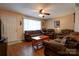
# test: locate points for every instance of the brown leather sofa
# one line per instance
(68, 46)
(63, 33)
(48, 32)
(29, 34)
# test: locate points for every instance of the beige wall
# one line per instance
(50, 24)
(66, 22)
(11, 25)
(43, 23)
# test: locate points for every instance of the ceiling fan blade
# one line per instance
(47, 13)
(41, 11)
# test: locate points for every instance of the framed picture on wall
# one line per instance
(56, 23)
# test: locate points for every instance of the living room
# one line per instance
(29, 29)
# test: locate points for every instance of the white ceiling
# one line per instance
(32, 9)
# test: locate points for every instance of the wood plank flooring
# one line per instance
(24, 49)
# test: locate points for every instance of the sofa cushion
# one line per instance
(70, 42)
(54, 45)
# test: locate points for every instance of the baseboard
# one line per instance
(14, 42)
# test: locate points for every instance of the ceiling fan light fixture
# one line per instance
(41, 15)
(43, 11)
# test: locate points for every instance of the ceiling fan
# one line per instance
(42, 13)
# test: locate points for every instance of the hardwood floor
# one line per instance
(24, 49)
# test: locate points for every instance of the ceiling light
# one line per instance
(43, 11)
(41, 15)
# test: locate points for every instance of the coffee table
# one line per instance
(37, 41)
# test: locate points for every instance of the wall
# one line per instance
(11, 27)
(50, 24)
(43, 24)
(66, 22)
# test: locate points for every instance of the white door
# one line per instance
(77, 22)
(10, 27)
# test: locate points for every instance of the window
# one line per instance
(32, 25)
